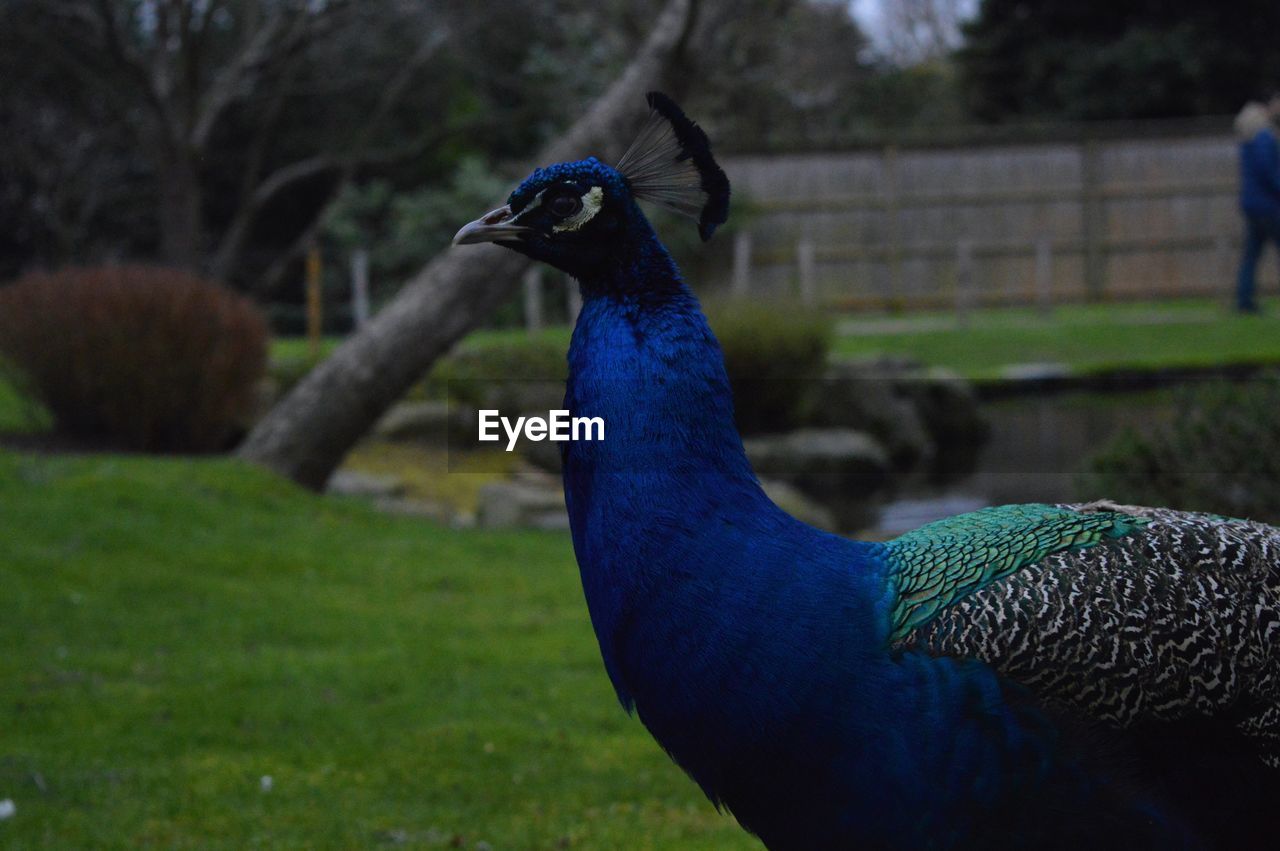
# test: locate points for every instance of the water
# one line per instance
(1038, 449)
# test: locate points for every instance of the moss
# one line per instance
(434, 474)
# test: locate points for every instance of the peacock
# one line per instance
(1058, 676)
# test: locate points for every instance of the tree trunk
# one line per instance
(307, 434)
(181, 221)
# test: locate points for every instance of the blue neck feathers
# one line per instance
(644, 359)
(664, 501)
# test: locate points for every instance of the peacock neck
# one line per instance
(644, 359)
(671, 466)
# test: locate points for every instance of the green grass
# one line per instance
(298, 348)
(174, 630)
(18, 415)
(1085, 338)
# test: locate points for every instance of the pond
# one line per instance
(1038, 450)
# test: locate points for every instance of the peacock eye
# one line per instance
(563, 206)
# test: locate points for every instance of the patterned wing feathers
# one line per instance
(940, 563)
(1181, 620)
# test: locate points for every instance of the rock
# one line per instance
(950, 411)
(512, 397)
(825, 463)
(522, 504)
(408, 420)
(799, 506)
(425, 509)
(432, 421)
(1036, 371)
(543, 454)
(883, 365)
(921, 416)
(872, 396)
(352, 483)
(388, 494)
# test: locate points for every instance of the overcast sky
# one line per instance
(870, 17)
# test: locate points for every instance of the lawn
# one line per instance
(176, 630)
(299, 348)
(1084, 338)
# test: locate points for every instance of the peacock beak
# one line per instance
(494, 226)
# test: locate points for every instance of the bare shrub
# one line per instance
(139, 357)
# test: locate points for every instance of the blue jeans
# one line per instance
(1259, 230)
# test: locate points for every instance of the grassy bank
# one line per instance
(1156, 333)
(1084, 338)
(177, 630)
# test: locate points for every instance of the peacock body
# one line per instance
(1022, 676)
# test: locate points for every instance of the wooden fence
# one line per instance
(1040, 223)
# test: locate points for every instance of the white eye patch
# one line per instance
(592, 201)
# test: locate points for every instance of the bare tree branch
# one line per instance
(234, 78)
(395, 89)
(284, 32)
(135, 66)
(279, 267)
(238, 230)
(355, 155)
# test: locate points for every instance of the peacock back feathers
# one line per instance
(1180, 620)
(940, 563)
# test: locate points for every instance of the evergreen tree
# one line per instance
(1089, 59)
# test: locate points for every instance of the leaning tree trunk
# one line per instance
(307, 434)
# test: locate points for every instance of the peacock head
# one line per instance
(581, 216)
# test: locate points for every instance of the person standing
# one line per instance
(1259, 191)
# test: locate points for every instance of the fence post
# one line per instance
(360, 286)
(533, 300)
(1044, 275)
(574, 300)
(1092, 226)
(741, 264)
(1225, 260)
(805, 261)
(964, 282)
(893, 240)
(315, 304)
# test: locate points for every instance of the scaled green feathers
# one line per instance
(939, 563)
